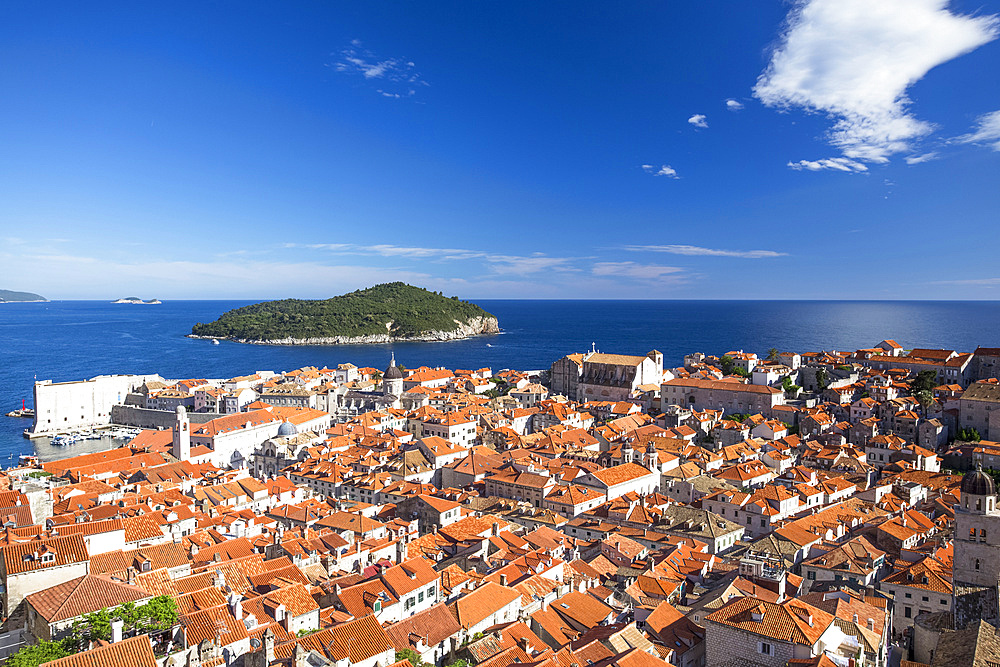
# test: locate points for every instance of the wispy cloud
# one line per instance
(513, 264)
(693, 250)
(975, 282)
(498, 264)
(917, 159)
(733, 105)
(699, 120)
(987, 131)
(397, 77)
(663, 170)
(832, 163)
(854, 61)
(636, 271)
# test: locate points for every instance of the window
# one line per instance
(811, 575)
(420, 596)
(908, 595)
(765, 648)
(410, 602)
(907, 612)
(924, 598)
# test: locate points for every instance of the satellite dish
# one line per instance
(254, 643)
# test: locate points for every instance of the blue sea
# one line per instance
(74, 340)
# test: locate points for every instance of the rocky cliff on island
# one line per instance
(379, 314)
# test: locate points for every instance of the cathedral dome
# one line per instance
(393, 372)
(978, 483)
(287, 429)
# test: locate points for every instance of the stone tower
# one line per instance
(976, 570)
(181, 448)
(392, 379)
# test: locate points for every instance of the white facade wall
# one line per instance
(65, 406)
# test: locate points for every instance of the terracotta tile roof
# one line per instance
(34, 555)
(432, 626)
(580, 608)
(134, 652)
(620, 474)
(474, 607)
(792, 621)
(83, 595)
(212, 623)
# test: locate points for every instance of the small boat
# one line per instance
(24, 412)
(215, 341)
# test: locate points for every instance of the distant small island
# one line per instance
(135, 299)
(9, 296)
(379, 314)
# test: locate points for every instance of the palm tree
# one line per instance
(772, 354)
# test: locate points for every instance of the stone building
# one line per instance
(979, 408)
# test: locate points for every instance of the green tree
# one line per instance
(925, 381)
(925, 397)
(726, 364)
(37, 654)
(460, 663)
(160, 613)
(772, 354)
(95, 626)
(822, 378)
(789, 387)
(968, 435)
(411, 655)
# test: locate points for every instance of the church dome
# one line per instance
(393, 372)
(978, 483)
(287, 428)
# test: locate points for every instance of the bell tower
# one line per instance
(181, 448)
(976, 569)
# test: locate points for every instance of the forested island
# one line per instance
(379, 314)
(10, 296)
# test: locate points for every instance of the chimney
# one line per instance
(236, 606)
(117, 626)
(871, 624)
(503, 579)
(268, 646)
(524, 644)
(495, 529)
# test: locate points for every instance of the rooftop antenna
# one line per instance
(593, 348)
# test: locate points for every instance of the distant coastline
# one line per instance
(138, 301)
(10, 296)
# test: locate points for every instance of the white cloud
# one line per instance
(833, 163)
(855, 59)
(633, 270)
(976, 282)
(497, 264)
(693, 250)
(733, 105)
(513, 264)
(664, 170)
(698, 120)
(917, 159)
(398, 76)
(987, 131)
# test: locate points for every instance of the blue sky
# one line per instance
(828, 149)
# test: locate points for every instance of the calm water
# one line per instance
(73, 340)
